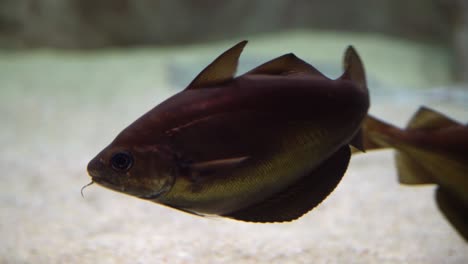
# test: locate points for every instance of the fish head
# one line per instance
(145, 172)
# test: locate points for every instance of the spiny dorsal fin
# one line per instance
(285, 65)
(426, 118)
(353, 68)
(220, 70)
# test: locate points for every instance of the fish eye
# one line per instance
(121, 161)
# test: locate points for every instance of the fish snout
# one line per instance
(94, 167)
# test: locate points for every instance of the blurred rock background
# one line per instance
(88, 24)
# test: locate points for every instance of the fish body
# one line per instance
(432, 149)
(266, 146)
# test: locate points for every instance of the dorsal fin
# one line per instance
(285, 65)
(353, 68)
(426, 118)
(220, 70)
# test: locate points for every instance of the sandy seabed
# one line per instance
(59, 110)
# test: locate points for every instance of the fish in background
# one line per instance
(432, 149)
(266, 146)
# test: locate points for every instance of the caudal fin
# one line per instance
(378, 134)
(426, 118)
(409, 170)
(418, 165)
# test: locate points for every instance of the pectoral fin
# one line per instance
(217, 164)
(301, 197)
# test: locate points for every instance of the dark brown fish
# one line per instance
(266, 146)
(433, 149)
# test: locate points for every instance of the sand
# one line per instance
(58, 109)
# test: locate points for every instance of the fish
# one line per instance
(265, 146)
(432, 149)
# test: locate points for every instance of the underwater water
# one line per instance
(59, 108)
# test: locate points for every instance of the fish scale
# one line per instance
(244, 186)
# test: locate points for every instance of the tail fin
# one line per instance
(409, 170)
(416, 165)
(428, 119)
(378, 134)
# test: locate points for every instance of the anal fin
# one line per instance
(302, 196)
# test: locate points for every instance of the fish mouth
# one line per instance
(94, 166)
(122, 189)
(103, 182)
(93, 174)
